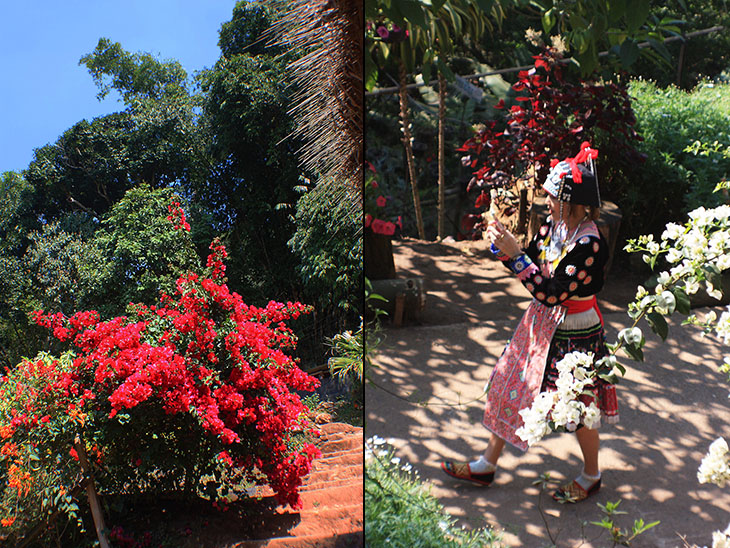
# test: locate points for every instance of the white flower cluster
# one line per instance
(715, 467)
(722, 327)
(561, 408)
(721, 539)
(705, 240)
(374, 447)
(377, 447)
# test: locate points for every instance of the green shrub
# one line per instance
(674, 180)
(400, 511)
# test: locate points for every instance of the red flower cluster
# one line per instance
(204, 354)
(215, 259)
(374, 207)
(177, 216)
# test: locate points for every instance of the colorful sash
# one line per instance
(518, 374)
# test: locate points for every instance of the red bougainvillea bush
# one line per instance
(199, 385)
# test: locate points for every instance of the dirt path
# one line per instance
(672, 407)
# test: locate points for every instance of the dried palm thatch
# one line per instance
(328, 103)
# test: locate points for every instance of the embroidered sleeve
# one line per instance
(580, 273)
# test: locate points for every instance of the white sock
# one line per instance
(586, 481)
(481, 466)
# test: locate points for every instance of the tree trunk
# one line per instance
(96, 512)
(442, 190)
(405, 126)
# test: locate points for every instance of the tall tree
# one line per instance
(254, 166)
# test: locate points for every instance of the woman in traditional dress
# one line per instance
(563, 269)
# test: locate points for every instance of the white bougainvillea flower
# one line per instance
(721, 539)
(562, 408)
(715, 466)
(722, 327)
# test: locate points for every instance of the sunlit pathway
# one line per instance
(672, 407)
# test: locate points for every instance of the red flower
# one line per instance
(482, 200)
(381, 201)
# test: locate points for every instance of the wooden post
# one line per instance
(96, 511)
(400, 304)
(522, 218)
(680, 63)
(406, 128)
(441, 157)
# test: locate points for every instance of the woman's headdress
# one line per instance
(575, 180)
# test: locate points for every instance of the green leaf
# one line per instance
(629, 53)
(599, 24)
(485, 5)
(577, 21)
(606, 523)
(426, 73)
(636, 15)
(413, 12)
(634, 352)
(548, 21)
(616, 9)
(658, 324)
(612, 378)
(384, 49)
(639, 526)
(683, 301)
(660, 48)
(588, 60)
(371, 73)
(444, 69)
(436, 5)
(455, 23)
(616, 37)
(445, 43)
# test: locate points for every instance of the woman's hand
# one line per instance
(503, 239)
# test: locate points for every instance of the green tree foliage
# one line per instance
(16, 223)
(246, 111)
(142, 256)
(61, 268)
(244, 33)
(703, 56)
(81, 226)
(329, 247)
(133, 73)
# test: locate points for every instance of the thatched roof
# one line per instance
(328, 104)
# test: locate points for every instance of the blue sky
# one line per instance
(44, 90)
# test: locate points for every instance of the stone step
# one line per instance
(347, 540)
(341, 457)
(346, 493)
(341, 444)
(339, 427)
(332, 513)
(331, 473)
(329, 521)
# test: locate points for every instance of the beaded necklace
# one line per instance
(558, 242)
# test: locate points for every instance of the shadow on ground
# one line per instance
(672, 407)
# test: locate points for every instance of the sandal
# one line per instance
(461, 470)
(573, 492)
